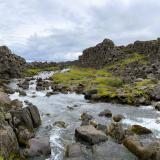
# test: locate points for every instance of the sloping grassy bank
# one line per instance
(108, 87)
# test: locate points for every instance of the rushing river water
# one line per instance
(54, 108)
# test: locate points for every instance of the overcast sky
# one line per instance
(60, 30)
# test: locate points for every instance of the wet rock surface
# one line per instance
(90, 134)
(38, 147)
(16, 125)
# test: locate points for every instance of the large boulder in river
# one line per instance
(35, 116)
(90, 134)
(141, 150)
(38, 147)
(11, 65)
(8, 142)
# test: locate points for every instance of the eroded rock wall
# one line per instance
(11, 65)
(106, 54)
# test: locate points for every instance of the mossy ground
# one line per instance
(29, 72)
(90, 78)
(135, 57)
(106, 84)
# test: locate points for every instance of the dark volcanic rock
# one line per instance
(11, 65)
(140, 130)
(107, 54)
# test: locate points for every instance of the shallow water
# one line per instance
(54, 108)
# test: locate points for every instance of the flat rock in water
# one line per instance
(90, 134)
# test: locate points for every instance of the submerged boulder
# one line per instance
(90, 134)
(60, 124)
(118, 117)
(106, 113)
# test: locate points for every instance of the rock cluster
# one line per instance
(11, 65)
(17, 125)
(91, 136)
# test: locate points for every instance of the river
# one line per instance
(54, 108)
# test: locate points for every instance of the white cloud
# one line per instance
(61, 29)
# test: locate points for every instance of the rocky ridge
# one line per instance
(11, 65)
(138, 60)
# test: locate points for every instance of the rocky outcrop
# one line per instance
(9, 144)
(108, 55)
(17, 125)
(11, 65)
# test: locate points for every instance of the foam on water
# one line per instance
(145, 122)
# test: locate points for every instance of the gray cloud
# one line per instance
(60, 30)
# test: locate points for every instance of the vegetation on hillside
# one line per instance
(135, 57)
(105, 83)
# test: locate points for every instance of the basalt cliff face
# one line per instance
(11, 65)
(138, 60)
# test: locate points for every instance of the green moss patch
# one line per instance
(135, 57)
